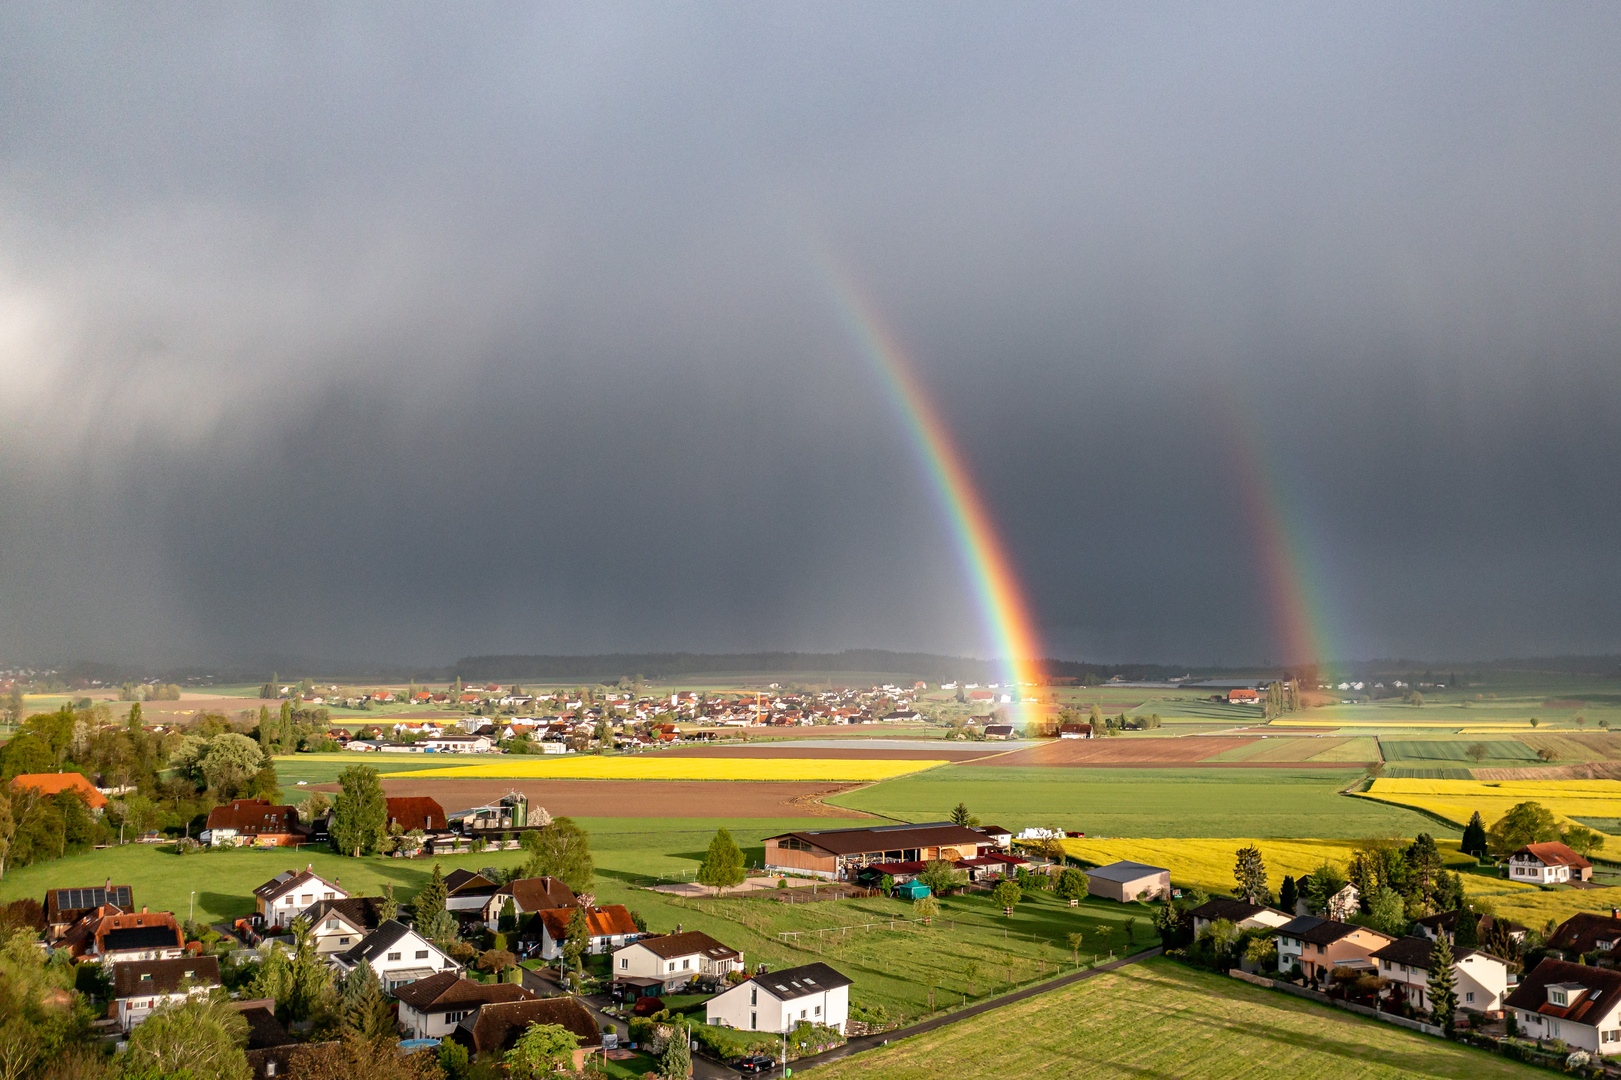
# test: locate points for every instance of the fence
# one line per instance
(1349, 1006)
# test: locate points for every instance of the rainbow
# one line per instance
(1000, 600)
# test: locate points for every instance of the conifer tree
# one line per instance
(1443, 987)
(1249, 871)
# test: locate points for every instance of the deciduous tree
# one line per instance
(1525, 823)
(1006, 895)
(540, 1051)
(561, 850)
(360, 818)
(201, 1038)
(723, 863)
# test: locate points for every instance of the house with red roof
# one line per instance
(1547, 864)
(1576, 1003)
(57, 782)
(416, 812)
(253, 821)
(608, 927)
(112, 936)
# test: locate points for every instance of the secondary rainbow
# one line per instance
(990, 572)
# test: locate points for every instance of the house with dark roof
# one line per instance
(290, 893)
(264, 1030)
(432, 1008)
(398, 954)
(1585, 932)
(1241, 913)
(528, 896)
(64, 907)
(1074, 731)
(255, 822)
(416, 812)
(139, 986)
(1126, 881)
(1548, 864)
(661, 963)
(1573, 1002)
(1482, 979)
(1318, 946)
(777, 1001)
(1446, 922)
(495, 1027)
(838, 854)
(609, 927)
(110, 936)
(470, 890)
(337, 925)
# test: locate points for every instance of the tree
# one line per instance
(1387, 912)
(1262, 952)
(231, 760)
(365, 1013)
(971, 973)
(388, 907)
(453, 1059)
(1582, 840)
(8, 829)
(561, 850)
(1073, 885)
(577, 939)
(1443, 986)
(1005, 895)
(495, 961)
(540, 1051)
(1250, 873)
(14, 704)
(360, 812)
(1466, 932)
(926, 908)
(1474, 836)
(723, 863)
(676, 1061)
(367, 1059)
(1288, 894)
(941, 877)
(508, 921)
(428, 910)
(1424, 862)
(961, 816)
(201, 1037)
(1075, 939)
(1525, 823)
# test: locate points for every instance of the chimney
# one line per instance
(1615, 913)
(143, 909)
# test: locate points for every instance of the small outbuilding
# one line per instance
(1127, 880)
(911, 890)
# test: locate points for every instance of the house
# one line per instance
(287, 895)
(459, 744)
(253, 821)
(1574, 1002)
(431, 1008)
(1243, 695)
(494, 1028)
(398, 955)
(1546, 864)
(337, 925)
(64, 907)
(54, 783)
(1074, 731)
(1241, 913)
(608, 928)
(264, 1030)
(812, 993)
(836, 854)
(111, 936)
(1585, 932)
(528, 895)
(1318, 946)
(662, 963)
(1126, 880)
(416, 812)
(1482, 979)
(998, 732)
(1433, 926)
(139, 986)
(470, 890)
(999, 836)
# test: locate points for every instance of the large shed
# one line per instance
(1129, 880)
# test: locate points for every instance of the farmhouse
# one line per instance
(1318, 946)
(432, 1008)
(139, 986)
(1573, 1002)
(495, 1027)
(64, 907)
(281, 899)
(1241, 913)
(337, 924)
(1548, 863)
(666, 962)
(837, 853)
(459, 744)
(1586, 932)
(54, 783)
(998, 732)
(813, 993)
(1124, 881)
(398, 955)
(253, 821)
(1482, 979)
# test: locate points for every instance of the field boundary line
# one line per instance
(873, 1042)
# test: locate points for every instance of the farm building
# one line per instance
(253, 821)
(1243, 695)
(1126, 880)
(837, 854)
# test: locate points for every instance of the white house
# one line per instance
(431, 1008)
(607, 928)
(812, 994)
(398, 955)
(1241, 913)
(458, 744)
(337, 925)
(140, 986)
(1573, 1002)
(285, 896)
(673, 960)
(1547, 864)
(1482, 979)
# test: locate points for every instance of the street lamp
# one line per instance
(191, 912)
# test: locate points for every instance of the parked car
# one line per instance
(755, 1065)
(647, 1006)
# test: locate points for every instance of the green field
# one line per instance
(1144, 802)
(1157, 1019)
(324, 768)
(1455, 750)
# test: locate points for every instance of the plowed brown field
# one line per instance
(632, 798)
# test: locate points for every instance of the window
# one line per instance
(1553, 1029)
(343, 941)
(670, 966)
(308, 898)
(686, 965)
(332, 924)
(802, 1014)
(754, 1021)
(422, 954)
(624, 962)
(1469, 998)
(393, 956)
(1558, 997)
(818, 1010)
(456, 1017)
(754, 995)
(327, 896)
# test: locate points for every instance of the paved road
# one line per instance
(869, 1042)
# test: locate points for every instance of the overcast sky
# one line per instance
(405, 332)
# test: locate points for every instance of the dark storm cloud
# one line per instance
(407, 333)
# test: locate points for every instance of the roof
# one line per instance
(253, 816)
(497, 1026)
(690, 943)
(470, 880)
(1415, 952)
(1125, 871)
(1584, 931)
(52, 783)
(67, 905)
(798, 982)
(288, 880)
(1234, 911)
(990, 830)
(1310, 928)
(610, 921)
(1602, 991)
(264, 1030)
(157, 929)
(886, 837)
(362, 911)
(1447, 921)
(538, 893)
(998, 729)
(449, 988)
(124, 938)
(1553, 853)
(378, 941)
(416, 812)
(164, 976)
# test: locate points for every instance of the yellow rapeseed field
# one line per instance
(654, 767)
(1455, 800)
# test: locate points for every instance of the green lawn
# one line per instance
(1158, 1019)
(1144, 802)
(1456, 750)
